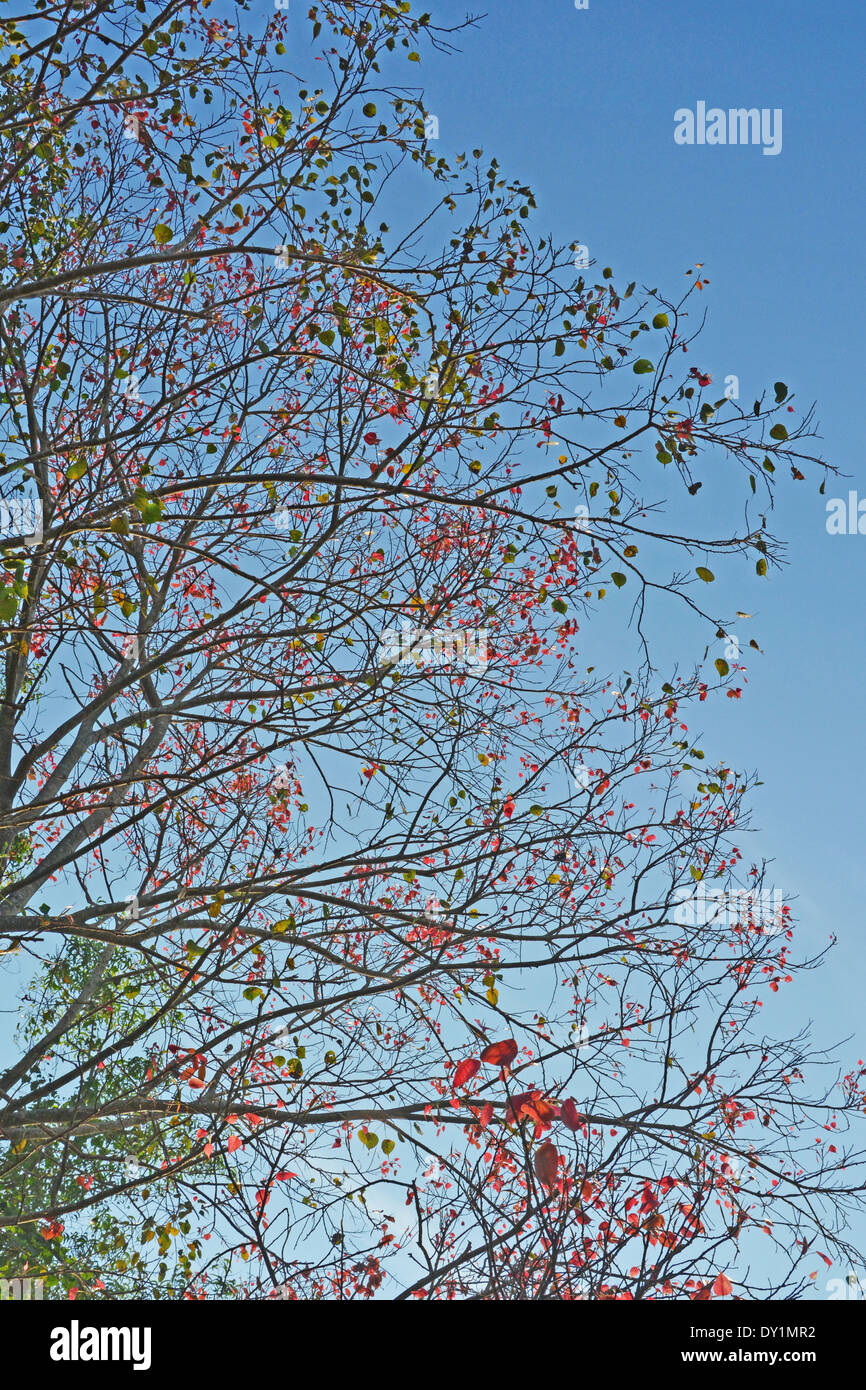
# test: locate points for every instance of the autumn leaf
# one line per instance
(464, 1072)
(570, 1115)
(545, 1164)
(500, 1054)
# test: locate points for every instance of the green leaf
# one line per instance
(388, 1146)
(369, 109)
(559, 606)
(559, 348)
(76, 471)
(618, 579)
(722, 666)
(660, 321)
(162, 234)
(778, 432)
(781, 391)
(761, 567)
(254, 993)
(706, 575)
(8, 605)
(642, 366)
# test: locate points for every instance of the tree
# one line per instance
(359, 961)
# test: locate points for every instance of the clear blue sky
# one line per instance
(581, 104)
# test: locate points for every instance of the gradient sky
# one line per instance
(581, 105)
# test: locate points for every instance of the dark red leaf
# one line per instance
(500, 1054)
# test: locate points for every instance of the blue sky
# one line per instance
(581, 105)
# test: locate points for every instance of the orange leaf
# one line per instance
(545, 1165)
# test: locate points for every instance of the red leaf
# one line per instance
(542, 1110)
(500, 1054)
(570, 1115)
(464, 1072)
(545, 1165)
(723, 1286)
(234, 1143)
(514, 1110)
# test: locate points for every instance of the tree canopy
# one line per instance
(354, 916)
